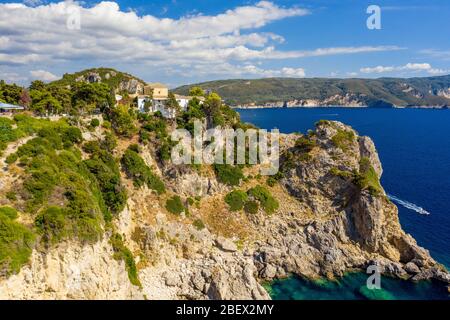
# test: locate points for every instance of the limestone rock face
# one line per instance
(71, 271)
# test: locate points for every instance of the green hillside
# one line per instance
(109, 76)
(397, 91)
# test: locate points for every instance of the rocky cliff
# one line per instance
(333, 217)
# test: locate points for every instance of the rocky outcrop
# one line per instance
(327, 224)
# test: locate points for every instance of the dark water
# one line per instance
(414, 148)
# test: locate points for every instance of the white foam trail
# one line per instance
(409, 205)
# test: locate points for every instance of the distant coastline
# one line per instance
(336, 106)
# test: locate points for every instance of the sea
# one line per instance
(414, 149)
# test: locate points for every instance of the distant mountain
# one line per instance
(382, 92)
(119, 81)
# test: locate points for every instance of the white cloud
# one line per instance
(293, 72)
(43, 75)
(440, 54)
(413, 67)
(34, 35)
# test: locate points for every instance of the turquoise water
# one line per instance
(414, 148)
(353, 287)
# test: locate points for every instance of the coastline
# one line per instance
(338, 106)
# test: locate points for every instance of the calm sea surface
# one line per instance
(414, 148)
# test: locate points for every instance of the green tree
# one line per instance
(196, 92)
(172, 103)
(89, 96)
(47, 105)
(123, 121)
(37, 85)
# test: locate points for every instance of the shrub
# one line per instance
(106, 124)
(134, 147)
(140, 173)
(123, 121)
(272, 180)
(16, 243)
(236, 199)
(11, 158)
(106, 171)
(71, 136)
(251, 207)
(198, 224)
(268, 202)
(91, 147)
(174, 205)
(343, 138)
(52, 224)
(121, 252)
(109, 143)
(228, 174)
(304, 144)
(11, 195)
(9, 212)
(367, 178)
(343, 174)
(95, 123)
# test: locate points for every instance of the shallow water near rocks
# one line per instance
(353, 287)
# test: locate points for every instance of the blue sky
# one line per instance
(181, 42)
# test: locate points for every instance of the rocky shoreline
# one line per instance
(325, 227)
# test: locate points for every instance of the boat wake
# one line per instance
(409, 205)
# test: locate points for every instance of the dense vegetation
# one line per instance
(109, 76)
(67, 197)
(139, 172)
(373, 92)
(16, 242)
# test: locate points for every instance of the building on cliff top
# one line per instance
(155, 97)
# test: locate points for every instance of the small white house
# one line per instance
(183, 101)
(155, 105)
(160, 94)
